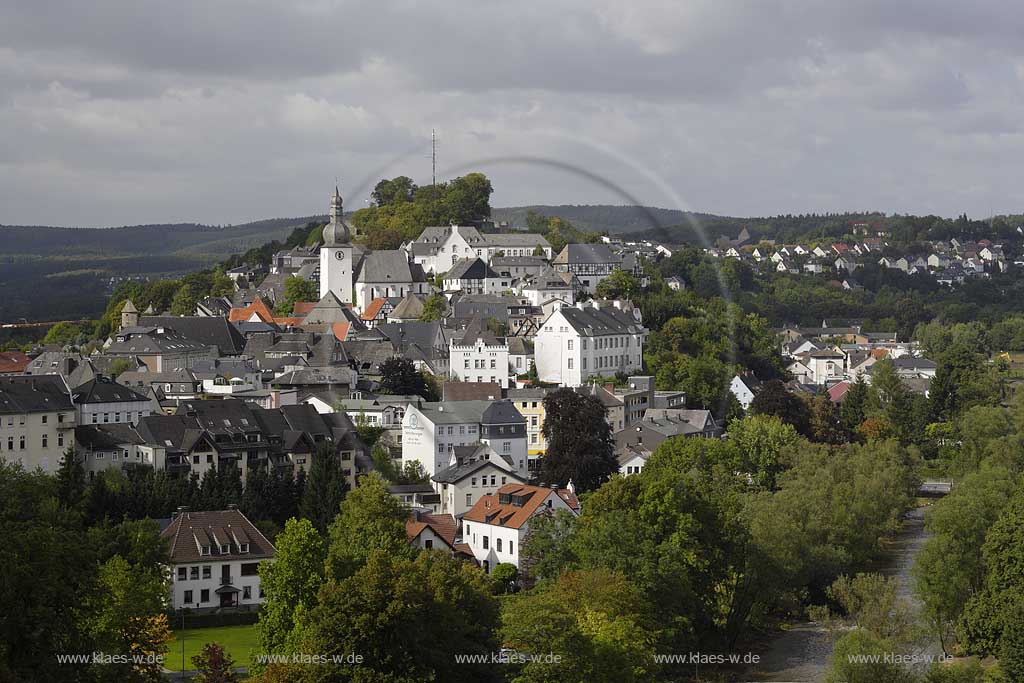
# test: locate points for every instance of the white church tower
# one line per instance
(336, 255)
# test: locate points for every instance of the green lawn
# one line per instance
(238, 641)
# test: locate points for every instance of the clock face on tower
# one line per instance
(339, 255)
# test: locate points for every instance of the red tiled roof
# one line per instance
(341, 330)
(302, 308)
(471, 391)
(837, 392)
(259, 307)
(293, 322)
(488, 510)
(373, 309)
(13, 362)
(444, 526)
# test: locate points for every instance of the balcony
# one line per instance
(226, 580)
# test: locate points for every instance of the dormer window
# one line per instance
(243, 547)
(225, 549)
(205, 550)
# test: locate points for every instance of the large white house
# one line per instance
(479, 356)
(215, 558)
(590, 339)
(431, 431)
(438, 248)
(495, 527)
(37, 420)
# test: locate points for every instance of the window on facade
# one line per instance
(207, 571)
(193, 573)
(486, 541)
(570, 363)
(428, 544)
(498, 542)
(570, 344)
(204, 595)
(493, 479)
(21, 443)
(469, 499)
(472, 481)
(182, 573)
(250, 569)
(467, 364)
(247, 592)
(44, 440)
(188, 597)
(44, 418)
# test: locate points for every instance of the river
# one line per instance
(800, 655)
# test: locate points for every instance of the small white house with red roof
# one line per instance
(496, 526)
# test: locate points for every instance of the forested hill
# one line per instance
(604, 217)
(202, 242)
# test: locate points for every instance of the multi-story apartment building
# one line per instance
(589, 340)
(37, 420)
(530, 403)
(431, 431)
(104, 401)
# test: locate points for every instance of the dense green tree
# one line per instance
(122, 615)
(70, 479)
(619, 284)
(369, 519)
(547, 550)
(394, 191)
(296, 289)
(326, 487)
(49, 566)
(762, 441)
(290, 584)
(408, 618)
(434, 308)
(774, 399)
(400, 376)
(949, 570)
(580, 444)
(990, 610)
(596, 621)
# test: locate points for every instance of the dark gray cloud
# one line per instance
(224, 111)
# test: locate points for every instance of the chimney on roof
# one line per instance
(232, 506)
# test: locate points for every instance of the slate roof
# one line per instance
(519, 346)
(97, 437)
(485, 412)
(207, 330)
(470, 269)
(150, 340)
(586, 253)
(33, 394)
(592, 322)
(387, 266)
(105, 391)
(191, 530)
(410, 308)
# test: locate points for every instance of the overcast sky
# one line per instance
(222, 112)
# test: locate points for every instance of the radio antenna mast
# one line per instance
(433, 159)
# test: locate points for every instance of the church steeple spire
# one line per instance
(336, 232)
